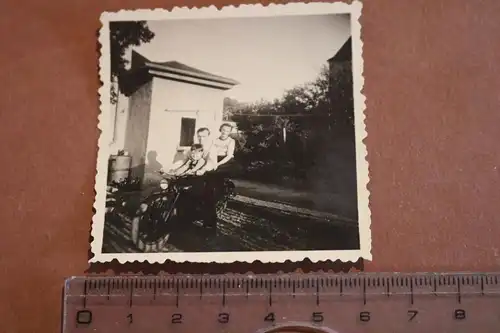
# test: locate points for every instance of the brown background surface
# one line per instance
(432, 71)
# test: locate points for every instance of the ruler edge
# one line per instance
(184, 276)
(179, 278)
(65, 302)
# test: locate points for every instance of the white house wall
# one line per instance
(172, 100)
(136, 134)
(119, 115)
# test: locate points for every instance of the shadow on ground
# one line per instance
(242, 228)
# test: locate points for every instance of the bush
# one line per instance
(312, 116)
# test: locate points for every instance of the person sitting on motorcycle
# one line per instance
(203, 135)
(193, 163)
(221, 152)
(219, 155)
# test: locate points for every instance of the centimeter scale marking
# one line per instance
(248, 303)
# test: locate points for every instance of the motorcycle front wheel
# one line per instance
(151, 225)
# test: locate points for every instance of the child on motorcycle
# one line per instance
(193, 163)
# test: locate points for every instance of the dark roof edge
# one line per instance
(188, 79)
(208, 77)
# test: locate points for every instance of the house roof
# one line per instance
(195, 71)
(344, 53)
(178, 68)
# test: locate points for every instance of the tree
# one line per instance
(229, 107)
(284, 137)
(123, 35)
(268, 124)
(312, 97)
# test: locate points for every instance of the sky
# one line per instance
(267, 55)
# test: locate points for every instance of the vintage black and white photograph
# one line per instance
(232, 135)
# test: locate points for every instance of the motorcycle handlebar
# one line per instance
(168, 175)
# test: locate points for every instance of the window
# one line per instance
(188, 127)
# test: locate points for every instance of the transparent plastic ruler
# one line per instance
(344, 303)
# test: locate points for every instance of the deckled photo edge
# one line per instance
(233, 11)
(362, 171)
(97, 227)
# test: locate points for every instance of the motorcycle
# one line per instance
(178, 201)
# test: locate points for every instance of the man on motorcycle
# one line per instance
(203, 135)
(218, 154)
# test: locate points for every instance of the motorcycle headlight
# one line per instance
(164, 184)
